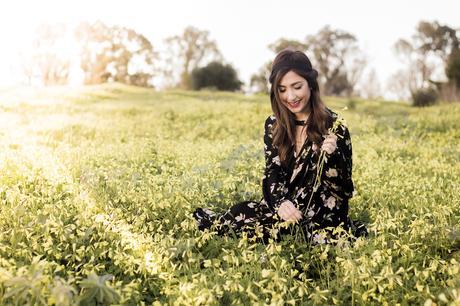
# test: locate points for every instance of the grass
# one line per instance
(102, 180)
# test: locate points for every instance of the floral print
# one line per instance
(325, 207)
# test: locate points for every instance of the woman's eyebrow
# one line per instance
(295, 83)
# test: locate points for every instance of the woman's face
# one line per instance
(294, 93)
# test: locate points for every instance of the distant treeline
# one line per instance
(192, 60)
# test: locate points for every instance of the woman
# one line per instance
(308, 154)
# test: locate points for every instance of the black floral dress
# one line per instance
(325, 207)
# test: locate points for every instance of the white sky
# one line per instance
(242, 29)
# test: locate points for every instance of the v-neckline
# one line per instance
(301, 149)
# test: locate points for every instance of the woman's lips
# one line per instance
(295, 104)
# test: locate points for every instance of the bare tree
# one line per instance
(259, 80)
(420, 66)
(115, 54)
(284, 43)
(45, 60)
(370, 86)
(338, 58)
(185, 52)
(426, 55)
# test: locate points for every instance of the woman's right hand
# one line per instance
(288, 212)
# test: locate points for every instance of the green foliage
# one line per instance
(95, 291)
(217, 75)
(351, 104)
(102, 181)
(453, 67)
(424, 97)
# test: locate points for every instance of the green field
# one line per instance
(97, 186)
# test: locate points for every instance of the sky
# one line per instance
(242, 29)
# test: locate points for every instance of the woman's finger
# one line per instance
(297, 212)
(294, 212)
(294, 217)
(299, 215)
(290, 217)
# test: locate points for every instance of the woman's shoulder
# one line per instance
(270, 121)
(334, 115)
(271, 118)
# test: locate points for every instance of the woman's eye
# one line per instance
(298, 87)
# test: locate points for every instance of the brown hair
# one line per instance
(320, 118)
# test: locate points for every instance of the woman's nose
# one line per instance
(290, 96)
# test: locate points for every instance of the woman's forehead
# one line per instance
(290, 78)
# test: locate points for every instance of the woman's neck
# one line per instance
(302, 116)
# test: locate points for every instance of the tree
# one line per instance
(284, 43)
(453, 68)
(191, 49)
(420, 66)
(439, 39)
(46, 60)
(338, 58)
(429, 50)
(399, 84)
(217, 75)
(259, 80)
(115, 54)
(335, 54)
(370, 86)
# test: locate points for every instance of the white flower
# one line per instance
(318, 238)
(310, 213)
(331, 172)
(249, 220)
(276, 160)
(330, 203)
(209, 212)
(239, 217)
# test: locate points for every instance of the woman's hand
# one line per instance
(329, 143)
(288, 212)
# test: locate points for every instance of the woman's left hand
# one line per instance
(329, 144)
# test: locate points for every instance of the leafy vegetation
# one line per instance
(97, 186)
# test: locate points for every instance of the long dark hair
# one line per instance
(320, 118)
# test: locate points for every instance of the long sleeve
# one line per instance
(274, 182)
(341, 160)
(336, 181)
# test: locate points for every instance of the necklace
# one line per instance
(300, 122)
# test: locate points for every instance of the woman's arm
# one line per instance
(336, 182)
(274, 182)
(341, 160)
